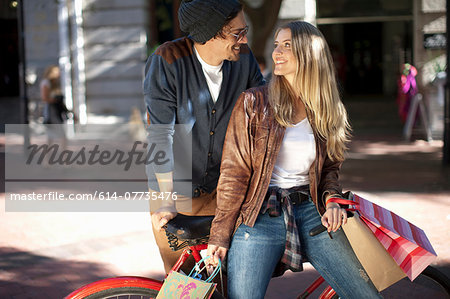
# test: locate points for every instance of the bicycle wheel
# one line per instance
(125, 293)
(431, 283)
(119, 287)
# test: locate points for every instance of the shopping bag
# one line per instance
(378, 264)
(181, 286)
(406, 243)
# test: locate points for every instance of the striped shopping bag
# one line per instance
(406, 243)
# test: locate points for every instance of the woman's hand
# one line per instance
(215, 252)
(334, 217)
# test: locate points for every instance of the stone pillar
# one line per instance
(430, 57)
(41, 45)
(115, 54)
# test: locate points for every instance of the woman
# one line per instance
(52, 96)
(282, 154)
(55, 111)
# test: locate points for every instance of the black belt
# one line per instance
(298, 197)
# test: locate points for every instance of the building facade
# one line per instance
(102, 45)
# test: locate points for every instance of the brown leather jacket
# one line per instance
(251, 147)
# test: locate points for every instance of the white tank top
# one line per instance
(297, 153)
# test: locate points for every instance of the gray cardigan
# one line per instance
(176, 92)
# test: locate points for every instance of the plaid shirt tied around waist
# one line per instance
(278, 201)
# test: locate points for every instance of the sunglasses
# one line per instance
(240, 35)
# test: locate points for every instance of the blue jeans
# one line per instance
(255, 251)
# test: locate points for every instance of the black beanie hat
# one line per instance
(202, 19)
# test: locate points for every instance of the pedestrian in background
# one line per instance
(52, 96)
(55, 111)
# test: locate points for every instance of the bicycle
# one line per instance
(191, 234)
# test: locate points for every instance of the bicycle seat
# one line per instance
(190, 227)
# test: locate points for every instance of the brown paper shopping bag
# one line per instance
(406, 243)
(379, 265)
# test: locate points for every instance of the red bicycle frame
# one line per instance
(194, 250)
(141, 282)
(328, 293)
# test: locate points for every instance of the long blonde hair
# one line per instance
(315, 85)
(52, 74)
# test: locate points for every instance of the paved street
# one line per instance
(47, 255)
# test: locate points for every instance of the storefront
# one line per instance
(370, 40)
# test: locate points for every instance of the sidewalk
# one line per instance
(48, 255)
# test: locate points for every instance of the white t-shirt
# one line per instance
(213, 75)
(297, 153)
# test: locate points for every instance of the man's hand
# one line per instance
(167, 211)
(161, 217)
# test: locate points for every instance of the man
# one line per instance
(195, 81)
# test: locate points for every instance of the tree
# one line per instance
(263, 16)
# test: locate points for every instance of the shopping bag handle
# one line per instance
(343, 201)
(197, 272)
